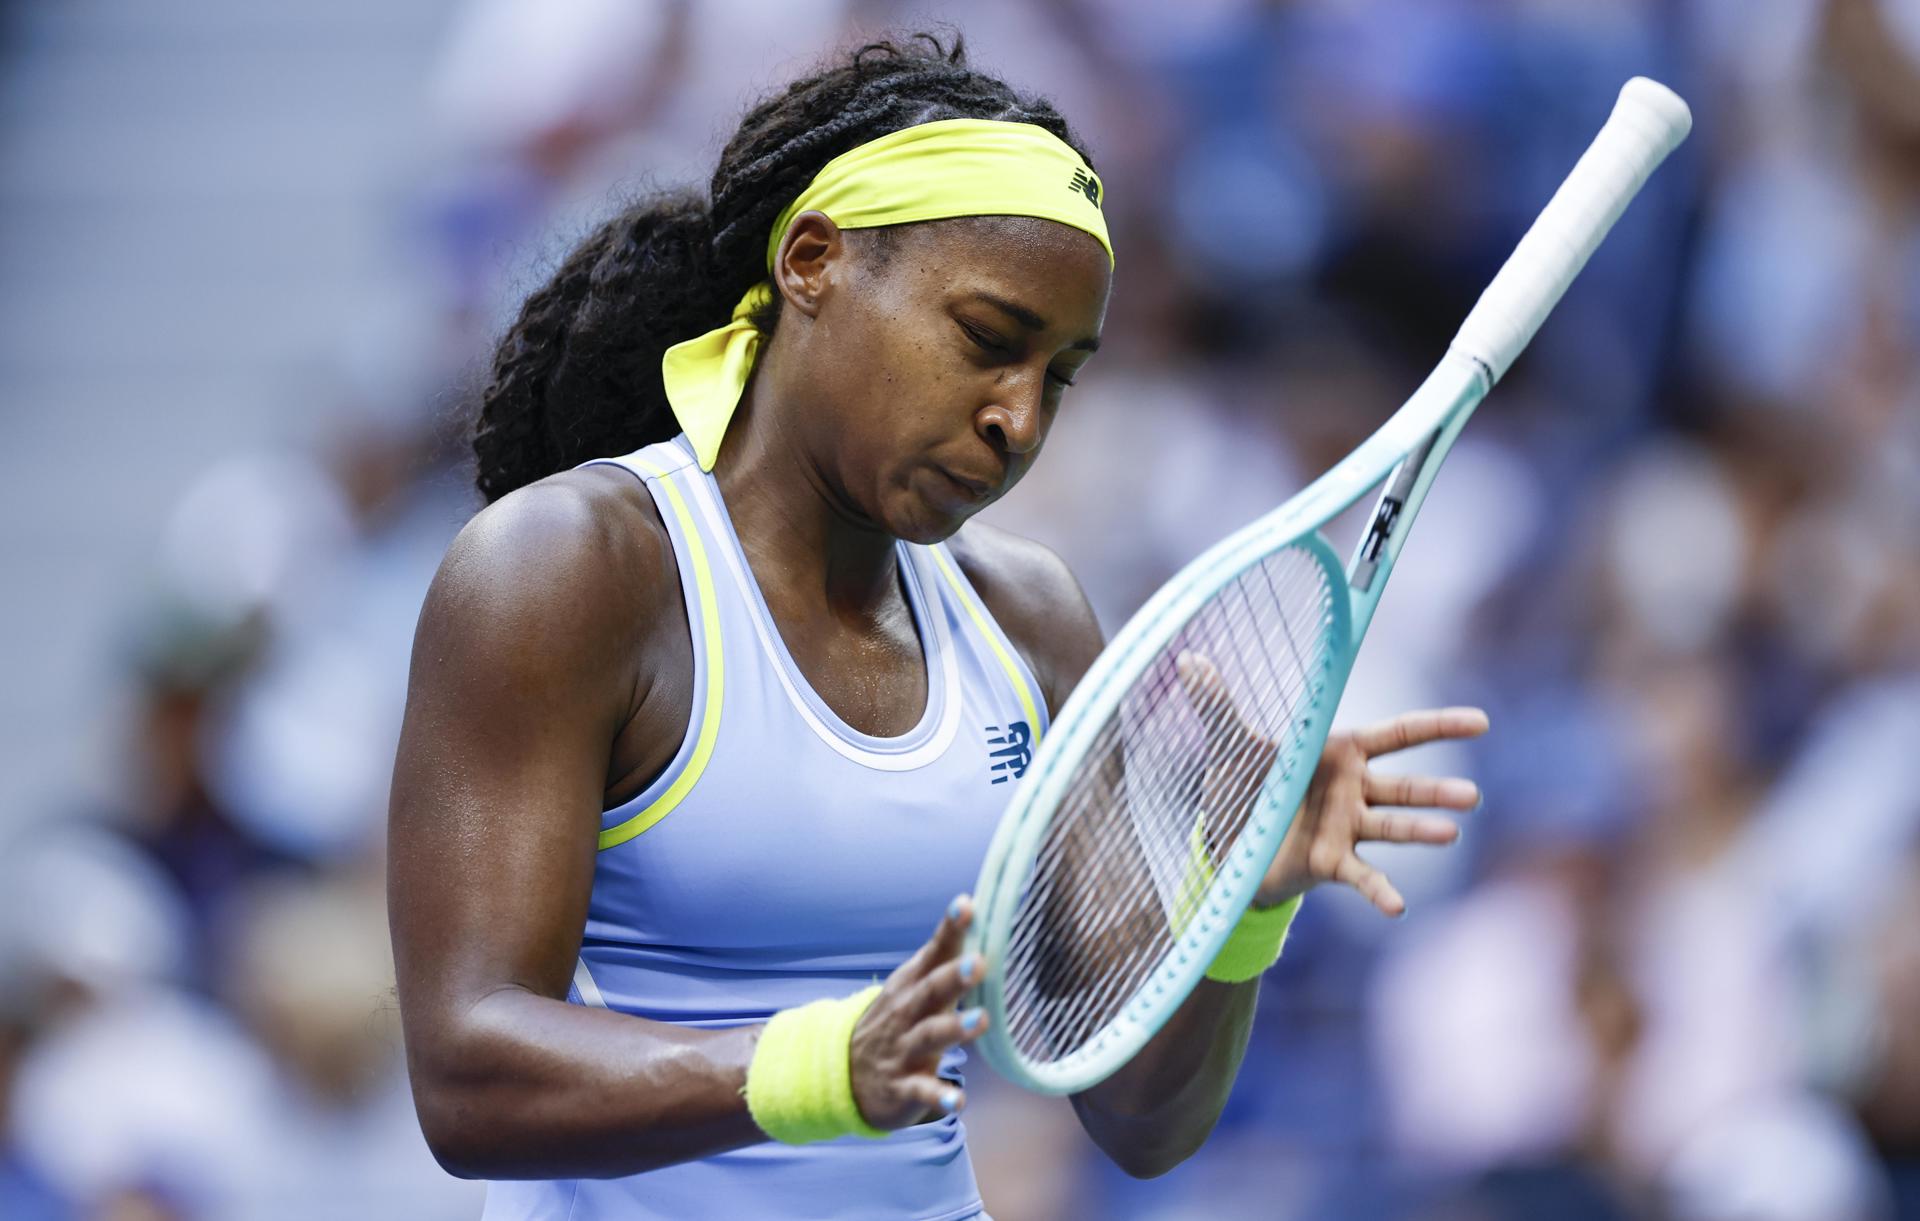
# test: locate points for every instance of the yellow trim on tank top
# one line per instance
(992, 637)
(683, 784)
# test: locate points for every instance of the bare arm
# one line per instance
(528, 665)
(525, 668)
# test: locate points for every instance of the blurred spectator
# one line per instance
(292, 1101)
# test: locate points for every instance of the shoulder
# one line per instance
(565, 569)
(596, 529)
(1038, 603)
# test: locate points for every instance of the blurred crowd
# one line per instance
(1672, 968)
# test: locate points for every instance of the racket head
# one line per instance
(1059, 1035)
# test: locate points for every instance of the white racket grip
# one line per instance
(1647, 123)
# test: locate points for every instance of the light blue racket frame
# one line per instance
(1407, 452)
(1647, 122)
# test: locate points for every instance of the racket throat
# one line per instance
(1387, 516)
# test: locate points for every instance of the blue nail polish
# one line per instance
(970, 1020)
(954, 908)
(968, 965)
(949, 1100)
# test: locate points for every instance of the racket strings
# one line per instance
(1145, 704)
(1237, 773)
(1245, 764)
(1094, 919)
(1158, 802)
(1248, 762)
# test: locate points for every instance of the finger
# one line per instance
(1207, 692)
(950, 1029)
(944, 985)
(1449, 792)
(1372, 883)
(948, 936)
(1414, 728)
(937, 1094)
(1407, 828)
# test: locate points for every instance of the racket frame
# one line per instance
(1405, 452)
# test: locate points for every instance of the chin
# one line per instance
(911, 514)
(930, 530)
(926, 524)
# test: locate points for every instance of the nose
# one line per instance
(1011, 423)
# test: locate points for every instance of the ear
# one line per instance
(805, 268)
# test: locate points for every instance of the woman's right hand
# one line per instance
(897, 1044)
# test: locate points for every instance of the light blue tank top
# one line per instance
(784, 856)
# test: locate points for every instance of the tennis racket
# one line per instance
(1133, 844)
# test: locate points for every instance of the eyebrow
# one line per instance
(1032, 321)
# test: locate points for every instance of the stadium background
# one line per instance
(250, 254)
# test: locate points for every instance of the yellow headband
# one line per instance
(953, 167)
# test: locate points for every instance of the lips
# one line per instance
(976, 487)
(956, 494)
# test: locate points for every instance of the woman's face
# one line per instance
(936, 361)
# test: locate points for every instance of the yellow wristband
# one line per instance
(1255, 943)
(800, 1081)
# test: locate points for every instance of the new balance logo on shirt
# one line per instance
(1013, 750)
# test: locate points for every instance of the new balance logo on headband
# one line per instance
(1084, 183)
(1014, 750)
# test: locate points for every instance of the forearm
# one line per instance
(1158, 1110)
(525, 1086)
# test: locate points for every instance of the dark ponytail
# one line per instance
(577, 376)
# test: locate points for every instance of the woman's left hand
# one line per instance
(1342, 808)
(1339, 811)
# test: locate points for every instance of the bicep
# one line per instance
(517, 688)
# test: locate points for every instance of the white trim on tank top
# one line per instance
(584, 984)
(931, 610)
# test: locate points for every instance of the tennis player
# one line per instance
(714, 707)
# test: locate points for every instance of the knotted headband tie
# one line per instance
(934, 171)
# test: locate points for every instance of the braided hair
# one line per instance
(577, 376)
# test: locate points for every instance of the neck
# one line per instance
(805, 541)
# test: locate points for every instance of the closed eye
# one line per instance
(986, 341)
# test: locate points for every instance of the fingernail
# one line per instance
(958, 905)
(949, 1100)
(968, 965)
(970, 1020)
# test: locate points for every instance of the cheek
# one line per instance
(917, 392)
(906, 389)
